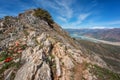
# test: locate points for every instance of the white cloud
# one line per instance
(84, 16)
(64, 12)
(100, 27)
(65, 8)
(62, 19)
(80, 19)
(61, 7)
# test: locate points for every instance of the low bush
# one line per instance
(43, 14)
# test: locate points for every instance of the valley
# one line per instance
(112, 35)
(94, 40)
(81, 34)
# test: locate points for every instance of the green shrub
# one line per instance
(3, 56)
(43, 14)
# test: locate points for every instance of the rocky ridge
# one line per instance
(44, 51)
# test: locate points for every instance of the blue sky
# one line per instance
(70, 13)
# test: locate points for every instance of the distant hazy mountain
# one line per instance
(104, 34)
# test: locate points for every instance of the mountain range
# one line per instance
(102, 34)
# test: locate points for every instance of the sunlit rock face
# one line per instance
(44, 51)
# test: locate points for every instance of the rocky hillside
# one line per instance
(109, 53)
(34, 47)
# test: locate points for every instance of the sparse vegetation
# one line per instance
(105, 74)
(105, 51)
(43, 14)
(7, 17)
(25, 32)
(102, 49)
(9, 56)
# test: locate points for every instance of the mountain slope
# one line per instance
(109, 53)
(34, 48)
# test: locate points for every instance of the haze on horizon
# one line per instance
(70, 13)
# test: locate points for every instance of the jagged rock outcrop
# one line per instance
(46, 51)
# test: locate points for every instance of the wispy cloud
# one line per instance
(61, 7)
(65, 11)
(81, 18)
(84, 16)
(68, 13)
(62, 19)
(100, 27)
(78, 21)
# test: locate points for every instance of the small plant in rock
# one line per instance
(8, 59)
(52, 56)
(9, 56)
(25, 32)
(43, 14)
(63, 63)
(7, 65)
(3, 56)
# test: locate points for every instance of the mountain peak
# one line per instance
(38, 13)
